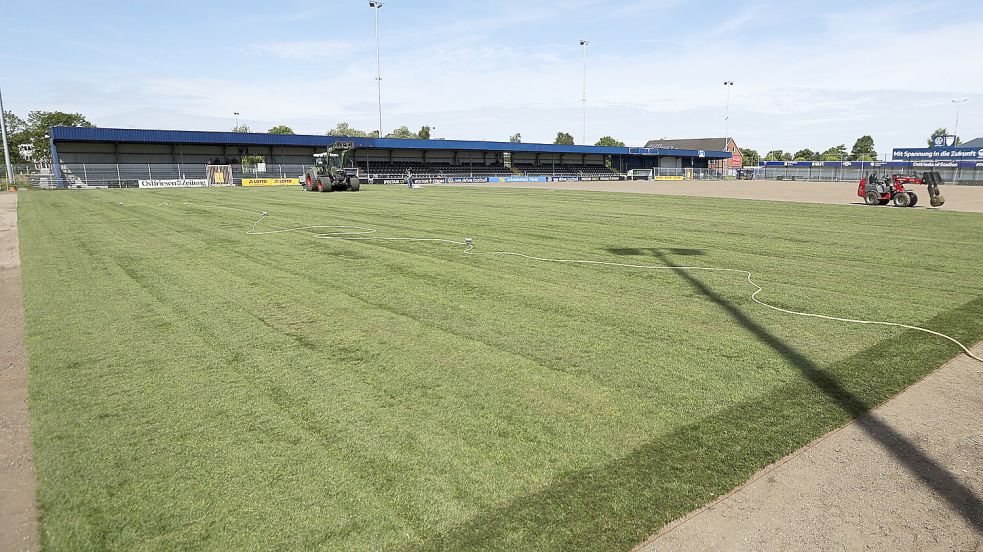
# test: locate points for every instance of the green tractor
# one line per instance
(333, 170)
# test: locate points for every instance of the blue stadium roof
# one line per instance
(131, 135)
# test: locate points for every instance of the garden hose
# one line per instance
(359, 233)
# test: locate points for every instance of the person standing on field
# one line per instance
(409, 179)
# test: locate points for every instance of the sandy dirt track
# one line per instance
(905, 477)
(18, 510)
(958, 198)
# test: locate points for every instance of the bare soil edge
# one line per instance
(968, 199)
(845, 491)
(18, 506)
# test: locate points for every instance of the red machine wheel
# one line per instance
(902, 200)
(872, 198)
(914, 199)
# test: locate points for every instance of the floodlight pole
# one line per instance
(583, 98)
(6, 147)
(728, 85)
(378, 59)
(955, 131)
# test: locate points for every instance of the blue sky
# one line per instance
(805, 76)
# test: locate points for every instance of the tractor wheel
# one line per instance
(310, 184)
(872, 198)
(320, 185)
(902, 200)
(914, 199)
(937, 201)
(353, 184)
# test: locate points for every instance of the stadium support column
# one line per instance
(583, 99)
(378, 59)
(6, 147)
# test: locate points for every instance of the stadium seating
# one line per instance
(446, 170)
(565, 170)
(431, 170)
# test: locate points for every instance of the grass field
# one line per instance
(193, 387)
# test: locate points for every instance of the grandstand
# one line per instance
(122, 157)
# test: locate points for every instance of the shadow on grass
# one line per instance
(617, 505)
(961, 498)
(654, 251)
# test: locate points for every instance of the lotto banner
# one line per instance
(270, 181)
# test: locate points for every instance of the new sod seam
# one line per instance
(193, 387)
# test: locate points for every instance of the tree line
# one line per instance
(863, 150)
(35, 129)
(566, 139)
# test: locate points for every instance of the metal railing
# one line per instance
(952, 175)
(108, 175)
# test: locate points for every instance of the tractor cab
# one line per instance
(327, 161)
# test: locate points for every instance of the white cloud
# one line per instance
(306, 50)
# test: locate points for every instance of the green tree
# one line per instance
(16, 135)
(241, 128)
(424, 133)
(941, 132)
(564, 138)
(516, 138)
(610, 142)
(778, 155)
(344, 129)
(751, 157)
(805, 154)
(39, 125)
(863, 150)
(402, 133)
(15, 125)
(281, 129)
(835, 153)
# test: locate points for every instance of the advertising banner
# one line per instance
(174, 183)
(270, 181)
(518, 179)
(938, 154)
(467, 179)
(669, 178)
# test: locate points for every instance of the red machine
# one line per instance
(881, 191)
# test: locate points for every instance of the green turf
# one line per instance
(193, 387)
